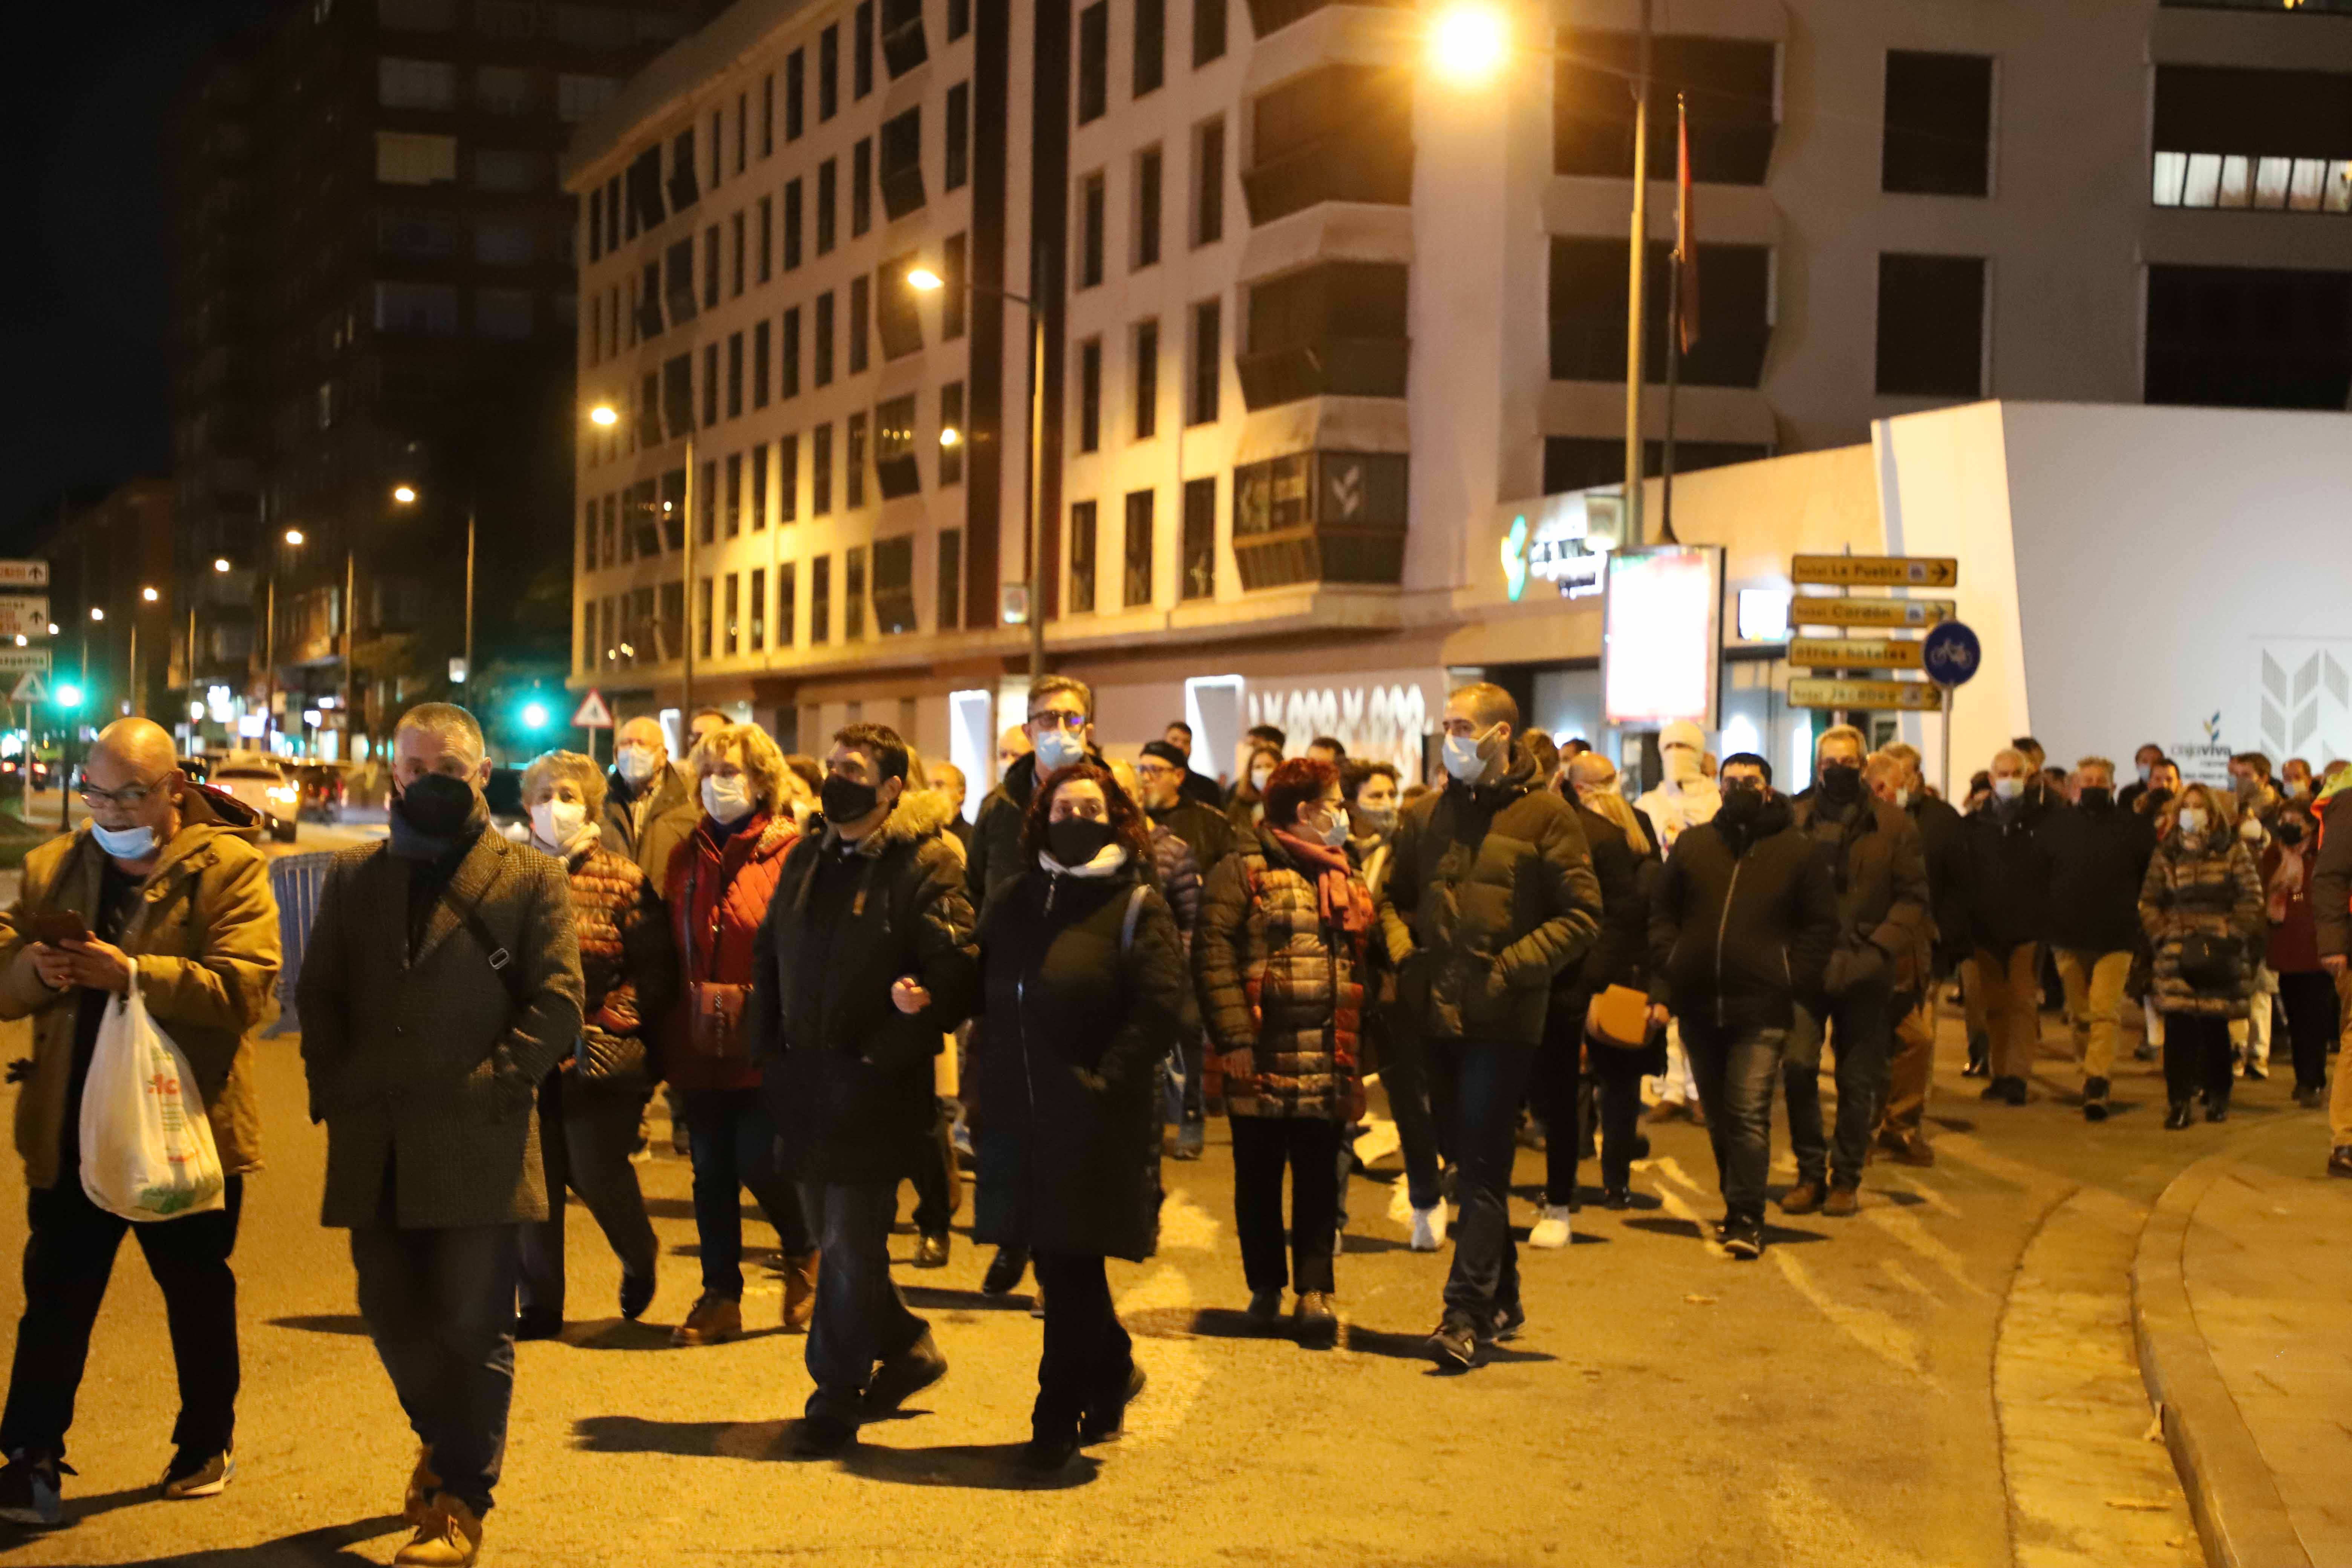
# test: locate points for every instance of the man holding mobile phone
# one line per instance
(163, 882)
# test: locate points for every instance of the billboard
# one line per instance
(1662, 637)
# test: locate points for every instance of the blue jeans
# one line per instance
(1861, 1025)
(1736, 1068)
(860, 1318)
(1478, 1087)
(440, 1306)
(734, 1144)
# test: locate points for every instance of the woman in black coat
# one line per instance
(1085, 990)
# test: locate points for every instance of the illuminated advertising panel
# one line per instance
(1662, 641)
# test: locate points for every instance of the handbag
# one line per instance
(600, 1058)
(1619, 1017)
(714, 1012)
(2210, 963)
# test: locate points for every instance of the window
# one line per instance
(951, 302)
(1209, 183)
(503, 18)
(1090, 230)
(828, 73)
(709, 384)
(1579, 462)
(1329, 517)
(894, 586)
(736, 245)
(612, 214)
(1334, 328)
(762, 334)
(415, 84)
(1930, 325)
(788, 356)
(742, 131)
(1732, 86)
(678, 281)
(764, 267)
(767, 134)
(895, 473)
(1208, 352)
(685, 188)
(959, 19)
(861, 292)
(702, 617)
(828, 186)
(707, 503)
(1147, 379)
(902, 163)
(730, 641)
(416, 309)
(731, 497)
(861, 62)
(596, 224)
(1150, 46)
(499, 169)
(2249, 337)
(821, 365)
(895, 319)
(1082, 557)
(501, 90)
(788, 484)
(734, 375)
(588, 537)
(1143, 247)
(645, 210)
(415, 15)
(717, 122)
(1339, 133)
(951, 579)
(578, 97)
(787, 605)
(957, 170)
(1588, 312)
(820, 471)
(821, 599)
(1199, 578)
(795, 97)
(902, 36)
(503, 243)
(1094, 61)
(853, 461)
(710, 268)
(592, 26)
(677, 394)
(792, 224)
(1090, 395)
(861, 186)
(1208, 32)
(2252, 140)
(1938, 136)
(405, 159)
(758, 608)
(1138, 575)
(952, 421)
(758, 503)
(415, 234)
(853, 592)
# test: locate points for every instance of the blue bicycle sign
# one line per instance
(1951, 654)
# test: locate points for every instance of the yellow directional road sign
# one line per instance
(1903, 695)
(1877, 571)
(1855, 653)
(1823, 610)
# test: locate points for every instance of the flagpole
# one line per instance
(1674, 314)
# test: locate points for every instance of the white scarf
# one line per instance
(1111, 858)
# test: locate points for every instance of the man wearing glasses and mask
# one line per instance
(1061, 731)
(164, 884)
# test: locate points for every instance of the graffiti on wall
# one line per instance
(1376, 723)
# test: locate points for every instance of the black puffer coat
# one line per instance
(2098, 859)
(1880, 871)
(1742, 922)
(2007, 863)
(1066, 1055)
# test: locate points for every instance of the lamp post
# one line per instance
(605, 416)
(406, 495)
(924, 281)
(293, 539)
(138, 696)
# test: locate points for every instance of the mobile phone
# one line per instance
(57, 927)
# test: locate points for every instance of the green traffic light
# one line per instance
(534, 716)
(69, 696)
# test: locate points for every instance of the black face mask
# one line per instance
(2157, 799)
(1840, 783)
(1742, 804)
(2288, 831)
(2098, 798)
(1075, 840)
(437, 804)
(846, 800)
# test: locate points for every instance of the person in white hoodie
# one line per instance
(1686, 798)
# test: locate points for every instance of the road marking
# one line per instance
(1906, 1229)
(1871, 1329)
(1969, 1152)
(1909, 1280)
(1925, 1193)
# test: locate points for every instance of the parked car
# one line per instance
(325, 789)
(261, 783)
(12, 770)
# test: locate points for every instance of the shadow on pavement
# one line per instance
(1395, 1346)
(1202, 1322)
(942, 1298)
(620, 1334)
(979, 1467)
(329, 1544)
(325, 1324)
(764, 1440)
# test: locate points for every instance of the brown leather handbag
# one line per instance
(715, 1008)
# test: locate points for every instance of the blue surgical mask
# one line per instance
(1059, 747)
(124, 843)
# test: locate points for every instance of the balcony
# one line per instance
(1337, 367)
(1366, 164)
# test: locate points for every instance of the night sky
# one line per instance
(85, 310)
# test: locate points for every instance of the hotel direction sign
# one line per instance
(1828, 610)
(1855, 653)
(1903, 696)
(1877, 571)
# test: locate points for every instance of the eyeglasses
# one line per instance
(1054, 719)
(131, 796)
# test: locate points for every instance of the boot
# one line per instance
(1805, 1197)
(2095, 1100)
(2178, 1117)
(421, 1484)
(1979, 1058)
(449, 1537)
(800, 1292)
(714, 1320)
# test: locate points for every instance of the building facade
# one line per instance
(1311, 311)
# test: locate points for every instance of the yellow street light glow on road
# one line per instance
(148, 595)
(293, 536)
(1467, 42)
(950, 437)
(605, 413)
(924, 279)
(404, 494)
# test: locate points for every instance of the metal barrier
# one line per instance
(296, 879)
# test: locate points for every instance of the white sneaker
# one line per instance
(1553, 1230)
(1399, 1204)
(1429, 1229)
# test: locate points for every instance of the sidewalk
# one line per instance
(2242, 1295)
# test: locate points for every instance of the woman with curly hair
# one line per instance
(2202, 905)
(1084, 993)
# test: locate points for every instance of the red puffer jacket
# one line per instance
(717, 892)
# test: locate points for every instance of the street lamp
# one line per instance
(97, 613)
(1467, 43)
(293, 536)
(923, 280)
(950, 437)
(220, 562)
(406, 495)
(605, 416)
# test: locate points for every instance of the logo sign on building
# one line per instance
(23, 573)
(1877, 571)
(1662, 637)
(24, 615)
(1828, 610)
(1903, 696)
(1563, 540)
(1854, 653)
(1950, 654)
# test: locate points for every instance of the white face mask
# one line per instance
(2192, 819)
(1258, 776)
(2008, 788)
(1682, 766)
(1902, 797)
(558, 822)
(727, 799)
(1335, 828)
(1465, 756)
(637, 763)
(1058, 749)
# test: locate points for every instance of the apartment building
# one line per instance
(1313, 313)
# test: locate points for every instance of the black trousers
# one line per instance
(2310, 1001)
(1262, 1147)
(67, 1259)
(2197, 1055)
(1616, 1078)
(938, 1185)
(1088, 1353)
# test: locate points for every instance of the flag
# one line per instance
(1686, 236)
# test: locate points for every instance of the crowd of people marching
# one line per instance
(1107, 953)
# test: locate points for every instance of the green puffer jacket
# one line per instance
(2213, 891)
(1490, 892)
(1277, 980)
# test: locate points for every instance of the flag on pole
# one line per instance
(1686, 236)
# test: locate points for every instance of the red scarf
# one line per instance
(1340, 899)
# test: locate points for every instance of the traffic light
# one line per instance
(535, 716)
(69, 696)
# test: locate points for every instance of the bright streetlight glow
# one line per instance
(1467, 42)
(68, 695)
(950, 437)
(23, 641)
(293, 536)
(195, 710)
(95, 613)
(53, 629)
(148, 595)
(220, 562)
(605, 413)
(404, 494)
(924, 279)
(534, 715)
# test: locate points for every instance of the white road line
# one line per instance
(1925, 1193)
(1868, 1327)
(1905, 1228)
(1907, 1280)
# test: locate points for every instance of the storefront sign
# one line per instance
(1903, 696)
(1823, 610)
(1565, 541)
(1662, 643)
(1854, 653)
(1877, 571)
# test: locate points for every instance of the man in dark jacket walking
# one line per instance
(648, 810)
(1879, 871)
(1490, 893)
(865, 960)
(1061, 729)
(1894, 777)
(2008, 862)
(2098, 856)
(1742, 924)
(440, 986)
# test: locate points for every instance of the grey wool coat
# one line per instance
(427, 1065)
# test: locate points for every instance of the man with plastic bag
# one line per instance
(441, 984)
(164, 884)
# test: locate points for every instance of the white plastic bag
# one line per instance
(147, 1151)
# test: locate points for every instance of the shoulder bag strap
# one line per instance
(501, 961)
(1134, 913)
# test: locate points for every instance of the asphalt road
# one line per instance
(1941, 1381)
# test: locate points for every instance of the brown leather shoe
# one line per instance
(1841, 1203)
(714, 1320)
(1909, 1149)
(421, 1484)
(1805, 1197)
(800, 1292)
(449, 1537)
(2339, 1160)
